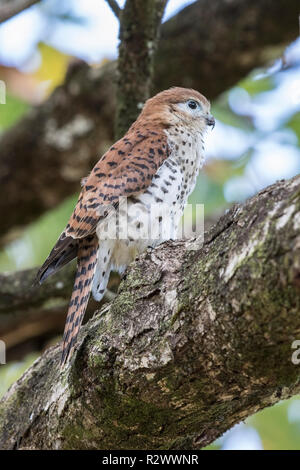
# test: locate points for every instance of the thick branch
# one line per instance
(196, 341)
(43, 158)
(139, 25)
(10, 8)
(115, 7)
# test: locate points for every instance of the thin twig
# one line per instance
(10, 8)
(115, 7)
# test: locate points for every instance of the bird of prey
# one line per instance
(154, 165)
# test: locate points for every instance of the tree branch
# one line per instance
(43, 158)
(195, 342)
(10, 8)
(114, 7)
(30, 314)
(139, 26)
(27, 312)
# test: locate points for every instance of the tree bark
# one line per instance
(139, 27)
(196, 340)
(208, 46)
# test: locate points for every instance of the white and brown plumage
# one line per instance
(156, 162)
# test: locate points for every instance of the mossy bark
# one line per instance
(196, 341)
(209, 46)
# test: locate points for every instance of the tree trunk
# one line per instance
(208, 46)
(196, 340)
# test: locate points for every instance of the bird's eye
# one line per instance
(192, 104)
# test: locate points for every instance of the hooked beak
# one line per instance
(210, 121)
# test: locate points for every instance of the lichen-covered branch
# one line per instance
(208, 46)
(196, 340)
(139, 26)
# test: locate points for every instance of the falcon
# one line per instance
(133, 198)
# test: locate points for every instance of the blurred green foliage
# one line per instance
(222, 112)
(12, 371)
(254, 86)
(279, 426)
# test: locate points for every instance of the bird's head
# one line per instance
(177, 106)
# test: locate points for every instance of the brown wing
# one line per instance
(126, 169)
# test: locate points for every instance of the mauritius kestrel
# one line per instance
(156, 163)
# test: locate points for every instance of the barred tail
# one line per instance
(86, 264)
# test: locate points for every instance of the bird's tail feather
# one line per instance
(86, 264)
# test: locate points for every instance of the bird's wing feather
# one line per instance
(125, 170)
